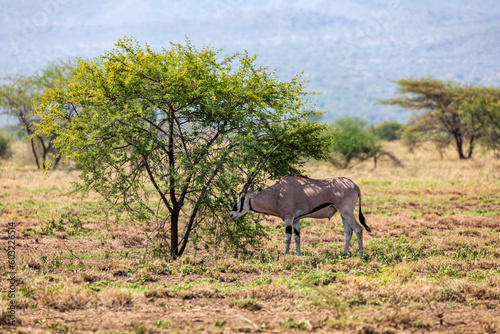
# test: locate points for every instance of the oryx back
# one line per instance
(302, 197)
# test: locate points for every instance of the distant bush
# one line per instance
(5, 151)
(388, 130)
(15, 132)
(355, 142)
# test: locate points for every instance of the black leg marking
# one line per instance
(297, 232)
(288, 230)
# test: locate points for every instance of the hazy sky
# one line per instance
(347, 49)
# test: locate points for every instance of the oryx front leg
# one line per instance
(288, 231)
(296, 232)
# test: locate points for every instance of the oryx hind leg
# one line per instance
(348, 235)
(350, 225)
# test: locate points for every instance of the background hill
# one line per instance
(348, 50)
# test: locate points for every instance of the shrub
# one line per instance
(355, 142)
(5, 142)
(388, 130)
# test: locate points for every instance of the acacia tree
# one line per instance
(482, 105)
(170, 136)
(18, 96)
(449, 111)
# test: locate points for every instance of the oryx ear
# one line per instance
(260, 188)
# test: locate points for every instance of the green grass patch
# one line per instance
(391, 251)
(471, 212)
(43, 190)
(466, 253)
(289, 323)
(447, 272)
(246, 304)
(317, 279)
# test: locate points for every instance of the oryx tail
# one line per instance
(361, 217)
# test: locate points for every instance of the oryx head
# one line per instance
(242, 205)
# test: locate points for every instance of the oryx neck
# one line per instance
(261, 203)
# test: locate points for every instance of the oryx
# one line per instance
(297, 197)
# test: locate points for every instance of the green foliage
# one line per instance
(169, 136)
(450, 113)
(388, 130)
(5, 143)
(482, 106)
(18, 96)
(355, 142)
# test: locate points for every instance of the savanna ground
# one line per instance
(433, 260)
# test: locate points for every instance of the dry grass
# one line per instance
(432, 262)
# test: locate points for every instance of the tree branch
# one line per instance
(189, 227)
(151, 177)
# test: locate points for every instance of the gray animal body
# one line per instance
(297, 197)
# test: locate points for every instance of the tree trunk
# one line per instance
(174, 234)
(459, 145)
(174, 218)
(189, 228)
(34, 153)
(45, 151)
(459, 141)
(28, 130)
(56, 162)
(471, 147)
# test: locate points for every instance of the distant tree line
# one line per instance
(445, 114)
